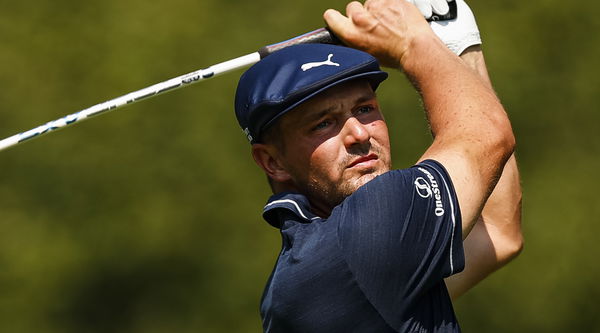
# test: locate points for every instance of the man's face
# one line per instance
(335, 143)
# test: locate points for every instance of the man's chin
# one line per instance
(366, 177)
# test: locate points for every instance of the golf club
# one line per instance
(322, 35)
(317, 36)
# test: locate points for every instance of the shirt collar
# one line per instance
(280, 205)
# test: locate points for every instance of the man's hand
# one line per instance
(460, 33)
(387, 29)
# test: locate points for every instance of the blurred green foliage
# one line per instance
(148, 219)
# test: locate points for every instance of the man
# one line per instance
(367, 248)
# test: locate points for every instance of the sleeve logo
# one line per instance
(425, 190)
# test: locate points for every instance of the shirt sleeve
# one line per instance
(401, 235)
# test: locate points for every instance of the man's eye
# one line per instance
(364, 109)
(322, 125)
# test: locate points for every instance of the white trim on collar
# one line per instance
(293, 203)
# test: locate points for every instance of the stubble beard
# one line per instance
(322, 191)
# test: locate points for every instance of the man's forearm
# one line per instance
(446, 84)
(473, 58)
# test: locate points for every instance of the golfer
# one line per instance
(367, 248)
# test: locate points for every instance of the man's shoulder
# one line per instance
(399, 177)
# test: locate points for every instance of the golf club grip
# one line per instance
(322, 36)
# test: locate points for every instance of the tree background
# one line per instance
(147, 219)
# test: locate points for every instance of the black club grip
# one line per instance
(324, 36)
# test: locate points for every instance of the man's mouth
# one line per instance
(364, 161)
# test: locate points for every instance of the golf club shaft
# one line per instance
(322, 35)
(317, 36)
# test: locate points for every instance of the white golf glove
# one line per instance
(460, 33)
(429, 7)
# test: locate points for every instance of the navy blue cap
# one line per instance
(289, 77)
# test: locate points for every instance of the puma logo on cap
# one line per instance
(327, 62)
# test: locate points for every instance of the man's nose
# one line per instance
(355, 132)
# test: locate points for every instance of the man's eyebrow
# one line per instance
(318, 114)
(313, 116)
(366, 97)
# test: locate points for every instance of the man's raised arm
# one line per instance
(473, 138)
(496, 238)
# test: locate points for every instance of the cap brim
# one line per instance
(374, 78)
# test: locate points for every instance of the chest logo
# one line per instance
(327, 62)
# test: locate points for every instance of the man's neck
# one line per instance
(320, 210)
(317, 207)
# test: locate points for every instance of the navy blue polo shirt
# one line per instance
(376, 264)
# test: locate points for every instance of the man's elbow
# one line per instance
(507, 249)
(504, 138)
(509, 143)
(514, 248)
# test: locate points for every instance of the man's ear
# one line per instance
(268, 158)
